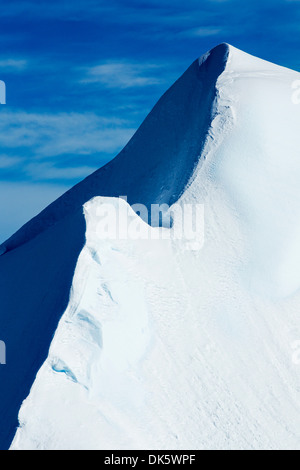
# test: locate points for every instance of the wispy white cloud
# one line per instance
(123, 74)
(58, 147)
(7, 161)
(12, 65)
(204, 31)
(50, 135)
(46, 171)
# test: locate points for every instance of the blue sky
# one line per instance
(82, 74)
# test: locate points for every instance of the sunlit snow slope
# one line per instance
(161, 346)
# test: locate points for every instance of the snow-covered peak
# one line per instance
(158, 162)
(242, 62)
(160, 159)
(213, 363)
(216, 56)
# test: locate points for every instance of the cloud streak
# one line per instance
(49, 135)
(123, 75)
(11, 65)
(205, 31)
(59, 146)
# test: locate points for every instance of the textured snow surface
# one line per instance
(37, 263)
(168, 348)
